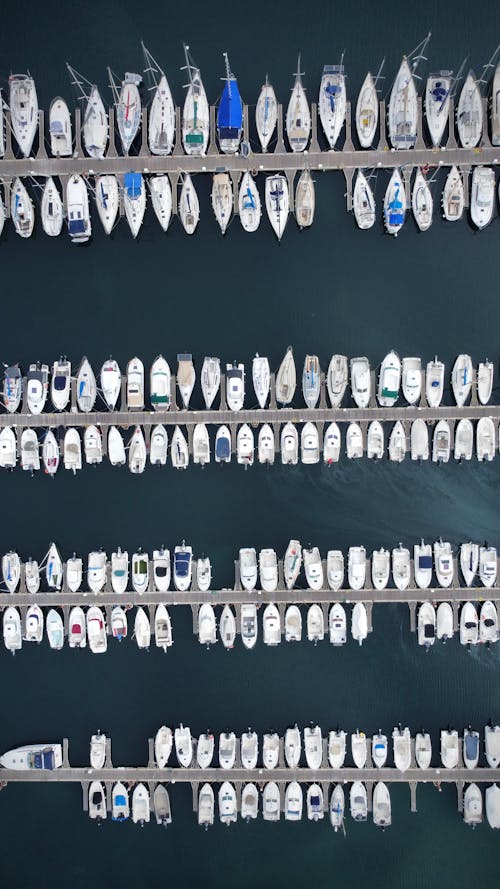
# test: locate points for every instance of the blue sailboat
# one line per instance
(230, 114)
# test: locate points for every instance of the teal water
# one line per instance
(332, 289)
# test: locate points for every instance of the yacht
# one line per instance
(337, 624)
(97, 801)
(195, 113)
(249, 802)
(292, 747)
(111, 383)
(271, 625)
(309, 444)
(161, 124)
(86, 389)
(358, 802)
(379, 750)
(161, 806)
(270, 750)
(286, 379)
(210, 380)
(140, 572)
(426, 624)
(77, 635)
(227, 750)
(401, 742)
(235, 386)
(470, 748)
(461, 379)
(464, 440)
(403, 109)
(336, 748)
(189, 206)
(394, 204)
(207, 627)
(311, 380)
(473, 805)
(469, 561)
(23, 105)
(449, 748)
(367, 112)
(356, 567)
(183, 746)
(120, 807)
(332, 102)
(360, 381)
(160, 384)
(363, 202)
(381, 805)
(12, 635)
(359, 623)
(201, 444)
(313, 568)
(107, 200)
(453, 200)
(292, 563)
(206, 806)
(485, 439)
(222, 199)
(336, 379)
(337, 807)
(186, 377)
(443, 563)
(245, 445)
(22, 211)
(60, 388)
(412, 379)
(32, 575)
(298, 115)
(488, 623)
(96, 570)
(11, 571)
(116, 447)
(315, 803)
(77, 210)
(137, 452)
(163, 628)
(37, 387)
(33, 624)
(482, 200)
(375, 441)
(119, 623)
(315, 624)
(380, 568)
(266, 446)
(419, 440)
(228, 808)
(421, 202)
(128, 109)
(248, 568)
(261, 379)
(484, 381)
(289, 444)
(140, 805)
(389, 380)
(134, 201)
(229, 114)
(470, 113)
(422, 557)
(248, 625)
(488, 565)
(98, 750)
(331, 444)
(437, 104)
(469, 625)
(161, 199)
(401, 567)
(423, 749)
(227, 627)
(96, 630)
(277, 203)
(305, 200)
(95, 127)
(492, 745)
(179, 451)
(92, 444)
(51, 209)
(313, 747)
(183, 557)
(294, 801)
(204, 574)
(434, 382)
(266, 114)
(359, 748)
(33, 756)
(293, 624)
(205, 750)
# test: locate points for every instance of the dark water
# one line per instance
(332, 289)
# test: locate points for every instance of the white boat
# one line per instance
(470, 748)
(140, 572)
(305, 200)
(289, 444)
(119, 571)
(381, 805)
(266, 114)
(163, 628)
(227, 750)
(336, 379)
(315, 623)
(140, 805)
(313, 568)
(367, 112)
(311, 380)
(183, 560)
(137, 452)
(179, 450)
(61, 142)
(33, 756)
(292, 746)
(358, 802)
(23, 105)
(336, 748)
(86, 389)
(248, 625)
(449, 748)
(249, 205)
(359, 623)
(195, 112)
(158, 446)
(161, 806)
(379, 750)
(363, 202)
(495, 108)
(270, 750)
(245, 445)
(249, 749)
(11, 571)
(248, 568)
(469, 561)
(360, 381)
(204, 574)
(313, 746)
(469, 624)
(111, 383)
(134, 201)
(315, 803)
(298, 115)
(309, 444)
(482, 196)
(32, 575)
(206, 806)
(381, 566)
(286, 379)
(443, 563)
(337, 807)
(394, 204)
(33, 624)
(205, 750)
(464, 440)
(51, 209)
(401, 744)
(77, 210)
(492, 745)
(453, 199)
(119, 623)
(60, 387)
(271, 625)
(389, 380)
(359, 749)
(189, 206)
(421, 202)
(54, 568)
(22, 211)
(222, 199)
(12, 635)
(96, 570)
(277, 203)
(161, 199)
(437, 104)
(488, 565)
(107, 200)
(441, 442)
(292, 563)
(461, 379)
(401, 567)
(422, 558)
(261, 379)
(142, 629)
(228, 809)
(484, 381)
(116, 447)
(426, 624)
(485, 439)
(186, 377)
(332, 102)
(403, 109)
(96, 630)
(95, 125)
(8, 448)
(128, 109)
(375, 441)
(77, 635)
(473, 805)
(37, 387)
(98, 750)
(97, 801)
(210, 380)
(331, 444)
(488, 623)
(92, 445)
(207, 627)
(294, 801)
(12, 388)
(434, 382)
(266, 446)
(423, 750)
(161, 123)
(235, 386)
(356, 567)
(30, 451)
(470, 113)
(293, 624)
(337, 624)
(249, 802)
(120, 806)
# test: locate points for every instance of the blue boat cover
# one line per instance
(182, 562)
(425, 561)
(471, 746)
(222, 448)
(133, 184)
(120, 800)
(43, 759)
(76, 226)
(230, 111)
(59, 383)
(439, 92)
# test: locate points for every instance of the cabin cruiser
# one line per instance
(195, 113)
(469, 625)
(33, 624)
(426, 624)
(229, 114)
(473, 805)
(270, 750)
(488, 565)
(381, 805)
(434, 382)
(482, 196)
(161, 199)
(356, 567)
(332, 102)
(11, 571)
(108, 200)
(485, 439)
(210, 380)
(23, 106)
(249, 206)
(205, 750)
(403, 109)
(160, 384)
(32, 576)
(204, 574)
(484, 381)
(293, 624)
(163, 628)
(359, 623)
(464, 440)
(313, 568)
(294, 801)
(289, 444)
(470, 748)
(292, 747)
(77, 636)
(207, 627)
(206, 806)
(492, 745)
(140, 805)
(201, 444)
(298, 115)
(359, 749)
(331, 444)
(394, 204)
(337, 624)
(92, 443)
(277, 203)
(441, 442)
(305, 200)
(401, 567)
(183, 557)
(315, 803)
(137, 452)
(98, 750)
(292, 563)
(61, 384)
(12, 634)
(248, 625)
(309, 444)
(470, 113)
(360, 381)
(311, 380)
(33, 756)
(96, 571)
(422, 557)
(381, 567)
(461, 379)
(488, 623)
(379, 750)
(37, 386)
(419, 440)
(119, 571)
(227, 750)
(77, 210)
(286, 379)
(111, 383)
(86, 389)
(54, 568)
(469, 561)
(271, 625)
(222, 199)
(367, 112)
(21, 209)
(443, 563)
(183, 746)
(245, 445)
(179, 451)
(423, 750)
(375, 441)
(313, 747)
(189, 206)
(161, 806)
(119, 623)
(337, 807)
(186, 377)
(158, 446)
(223, 445)
(336, 379)
(363, 202)
(389, 380)
(97, 801)
(120, 807)
(51, 209)
(12, 388)
(449, 748)
(266, 114)
(249, 749)
(421, 202)
(140, 572)
(315, 624)
(30, 451)
(261, 379)
(453, 199)
(271, 802)
(248, 568)
(358, 802)
(96, 630)
(437, 103)
(336, 748)
(266, 446)
(249, 802)
(401, 741)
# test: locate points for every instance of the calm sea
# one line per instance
(332, 289)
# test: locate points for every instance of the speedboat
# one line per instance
(381, 805)
(111, 383)
(313, 747)
(294, 801)
(470, 748)
(482, 196)
(315, 803)
(359, 623)
(248, 568)
(96, 630)
(423, 749)
(228, 808)
(270, 750)
(229, 113)
(266, 114)
(492, 745)
(245, 445)
(488, 623)
(403, 109)
(163, 628)
(140, 572)
(33, 624)
(266, 445)
(441, 442)
(367, 112)
(207, 627)
(286, 379)
(473, 805)
(305, 200)
(292, 563)
(128, 109)
(120, 807)
(271, 625)
(12, 635)
(437, 104)
(315, 624)
(161, 199)
(298, 115)
(119, 571)
(421, 202)
(227, 750)
(222, 199)
(464, 440)
(289, 444)
(32, 575)
(449, 748)
(186, 377)
(74, 573)
(77, 635)
(292, 747)
(453, 199)
(426, 624)
(77, 210)
(469, 625)
(179, 451)
(160, 384)
(336, 748)
(37, 387)
(375, 441)
(210, 380)
(204, 574)
(183, 557)
(470, 113)
(201, 444)
(249, 749)
(389, 380)
(356, 567)
(137, 452)
(206, 806)
(261, 379)
(379, 750)
(51, 209)
(97, 801)
(96, 570)
(249, 802)
(119, 623)
(443, 562)
(434, 382)
(98, 750)
(488, 565)
(358, 802)
(11, 571)
(484, 381)
(331, 444)
(205, 750)
(461, 379)
(360, 381)
(277, 203)
(309, 444)
(337, 807)
(401, 567)
(92, 444)
(469, 561)
(363, 202)
(134, 201)
(381, 566)
(12, 388)
(337, 624)
(21, 209)
(142, 629)
(54, 568)
(485, 439)
(248, 625)
(332, 102)
(108, 200)
(189, 206)
(30, 451)
(161, 806)
(195, 113)
(422, 557)
(401, 743)
(293, 624)
(23, 105)
(336, 379)
(60, 388)
(158, 446)
(359, 748)
(313, 568)
(86, 390)
(33, 756)
(394, 204)
(311, 380)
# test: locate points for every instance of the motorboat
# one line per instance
(488, 623)
(423, 750)
(32, 575)
(449, 748)
(205, 750)
(51, 209)
(305, 200)
(77, 635)
(248, 568)
(229, 114)
(379, 750)
(111, 383)
(313, 568)
(23, 106)
(92, 444)
(183, 746)
(315, 624)
(394, 204)
(363, 202)
(12, 388)
(74, 573)
(245, 445)
(222, 199)
(37, 387)
(332, 102)
(359, 749)
(464, 440)
(441, 442)
(270, 750)
(313, 747)
(421, 202)
(470, 113)
(293, 624)
(189, 205)
(469, 625)
(461, 379)
(119, 571)
(381, 805)
(271, 625)
(401, 567)
(183, 558)
(96, 630)
(331, 444)
(426, 624)
(204, 574)
(403, 109)
(294, 801)
(22, 211)
(492, 745)
(158, 446)
(336, 748)
(271, 802)
(286, 379)
(86, 389)
(277, 203)
(360, 381)
(381, 567)
(485, 439)
(163, 628)
(443, 562)
(195, 113)
(140, 572)
(309, 444)
(336, 379)
(422, 558)
(488, 565)
(96, 570)
(249, 749)
(484, 381)
(389, 380)
(161, 806)
(359, 623)
(186, 377)
(97, 801)
(12, 634)
(298, 115)
(142, 629)
(30, 451)
(140, 805)
(261, 379)
(249, 802)
(337, 624)
(54, 568)
(266, 445)
(60, 388)
(367, 112)
(227, 750)
(11, 571)
(401, 744)
(473, 805)
(292, 563)
(453, 199)
(469, 561)
(210, 380)
(161, 199)
(266, 114)
(292, 746)
(160, 384)
(375, 441)
(437, 104)
(120, 807)
(107, 200)
(33, 624)
(206, 806)
(289, 444)
(482, 199)
(207, 626)
(356, 567)
(248, 625)
(119, 623)
(98, 750)
(315, 803)
(337, 807)
(470, 748)
(434, 382)
(46, 757)
(179, 450)
(311, 380)
(358, 801)
(77, 210)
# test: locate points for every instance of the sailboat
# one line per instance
(222, 199)
(437, 104)
(453, 200)
(403, 109)
(95, 128)
(161, 198)
(21, 209)
(298, 115)
(249, 204)
(332, 101)
(421, 202)
(128, 107)
(23, 103)
(394, 204)
(363, 202)
(161, 123)
(305, 200)
(189, 207)
(61, 142)
(367, 112)
(277, 203)
(230, 114)
(470, 113)
(52, 209)
(266, 114)
(134, 201)
(107, 200)
(195, 114)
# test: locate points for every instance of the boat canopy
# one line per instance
(471, 746)
(182, 562)
(43, 759)
(222, 448)
(56, 128)
(230, 113)
(77, 227)
(425, 562)
(133, 184)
